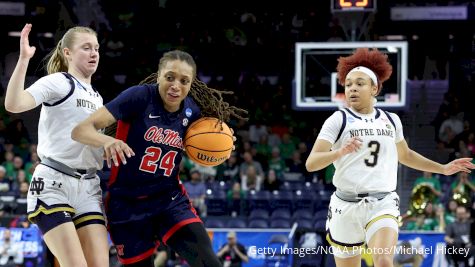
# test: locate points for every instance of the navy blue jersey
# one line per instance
(155, 135)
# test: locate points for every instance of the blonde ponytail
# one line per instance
(56, 60)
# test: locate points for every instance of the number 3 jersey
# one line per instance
(155, 135)
(373, 168)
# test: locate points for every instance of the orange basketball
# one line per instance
(206, 143)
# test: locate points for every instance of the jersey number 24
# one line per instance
(152, 160)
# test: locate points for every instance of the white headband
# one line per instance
(366, 71)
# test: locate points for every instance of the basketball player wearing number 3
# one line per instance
(146, 202)
(365, 144)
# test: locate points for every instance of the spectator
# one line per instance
(263, 150)
(287, 147)
(8, 164)
(251, 180)
(256, 131)
(229, 170)
(276, 162)
(249, 161)
(457, 236)
(235, 197)
(196, 190)
(233, 252)
(426, 221)
(17, 166)
(31, 165)
(454, 123)
(4, 181)
(271, 183)
(10, 251)
(20, 178)
(450, 212)
(295, 164)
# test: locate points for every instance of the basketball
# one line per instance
(206, 143)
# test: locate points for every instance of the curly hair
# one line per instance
(371, 59)
(209, 100)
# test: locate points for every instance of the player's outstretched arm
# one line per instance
(321, 156)
(17, 99)
(415, 160)
(87, 133)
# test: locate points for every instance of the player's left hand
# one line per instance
(459, 165)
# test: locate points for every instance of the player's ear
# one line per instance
(374, 90)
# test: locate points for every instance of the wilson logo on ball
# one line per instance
(208, 142)
(210, 159)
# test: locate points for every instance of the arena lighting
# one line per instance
(40, 34)
(14, 34)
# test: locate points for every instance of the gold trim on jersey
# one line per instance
(88, 218)
(42, 209)
(379, 218)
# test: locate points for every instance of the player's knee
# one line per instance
(383, 261)
(100, 261)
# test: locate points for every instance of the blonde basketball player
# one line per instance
(365, 144)
(65, 198)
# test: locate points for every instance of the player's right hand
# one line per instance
(26, 51)
(115, 149)
(350, 146)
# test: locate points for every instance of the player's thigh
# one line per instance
(382, 245)
(94, 244)
(64, 243)
(344, 225)
(348, 262)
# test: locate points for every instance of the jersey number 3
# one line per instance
(152, 160)
(372, 160)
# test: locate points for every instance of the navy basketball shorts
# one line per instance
(150, 222)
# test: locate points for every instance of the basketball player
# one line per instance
(65, 199)
(365, 144)
(146, 201)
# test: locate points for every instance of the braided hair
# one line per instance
(209, 100)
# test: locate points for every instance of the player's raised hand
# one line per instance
(350, 146)
(26, 51)
(115, 150)
(459, 165)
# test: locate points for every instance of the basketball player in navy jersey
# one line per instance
(365, 144)
(146, 201)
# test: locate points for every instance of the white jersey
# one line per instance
(62, 110)
(373, 168)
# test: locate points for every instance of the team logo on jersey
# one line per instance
(167, 137)
(188, 112)
(185, 122)
(37, 185)
(388, 126)
(350, 119)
